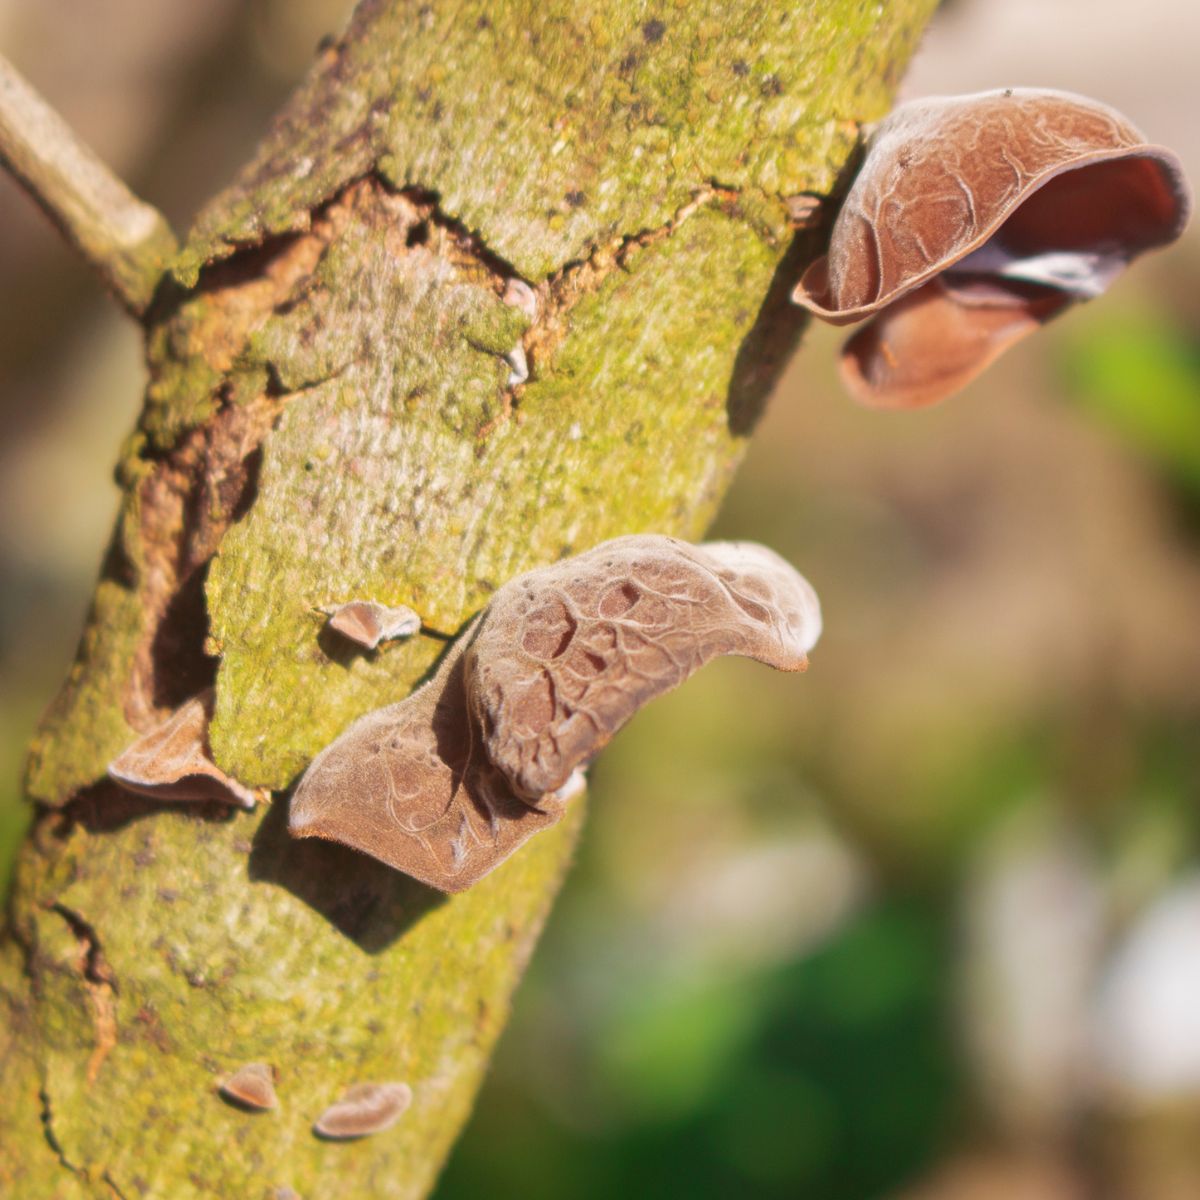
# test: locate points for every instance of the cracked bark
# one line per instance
(328, 413)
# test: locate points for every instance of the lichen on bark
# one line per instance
(329, 413)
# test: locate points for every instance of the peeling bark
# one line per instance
(330, 411)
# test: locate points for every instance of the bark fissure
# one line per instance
(561, 292)
(101, 984)
(47, 1118)
(113, 1186)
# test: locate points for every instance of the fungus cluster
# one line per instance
(449, 782)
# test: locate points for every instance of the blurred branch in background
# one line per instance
(127, 241)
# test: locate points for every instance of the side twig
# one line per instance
(126, 240)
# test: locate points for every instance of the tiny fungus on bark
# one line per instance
(519, 295)
(974, 220)
(173, 762)
(365, 1108)
(251, 1087)
(448, 783)
(367, 622)
(518, 366)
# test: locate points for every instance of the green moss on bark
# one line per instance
(85, 728)
(550, 128)
(370, 977)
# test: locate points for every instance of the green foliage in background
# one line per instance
(829, 1076)
(1139, 372)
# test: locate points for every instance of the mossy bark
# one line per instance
(330, 414)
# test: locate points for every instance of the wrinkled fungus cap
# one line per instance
(975, 219)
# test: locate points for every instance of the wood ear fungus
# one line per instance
(367, 622)
(567, 654)
(974, 220)
(448, 783)
(172, 762)
(251, 1087)
(365, 1108)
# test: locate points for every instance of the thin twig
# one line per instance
(128, 241)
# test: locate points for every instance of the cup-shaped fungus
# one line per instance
(448, 783)
(975, 219)
(367, 622)
(251, 1087)
(172, 761)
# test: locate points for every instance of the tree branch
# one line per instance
(331, 412)
(127, 241)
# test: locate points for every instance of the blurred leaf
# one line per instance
(668, 1052)
(1142, 376)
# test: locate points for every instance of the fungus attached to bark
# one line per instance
(365, 1108)
(173, 762)
(367, 622)
(448, 783)
(565, 655)
(251, 1087)
(974, 220)
(518, 294)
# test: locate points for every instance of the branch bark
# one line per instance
(331, 413)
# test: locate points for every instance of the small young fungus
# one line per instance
(252, 1087)
(367, 622)
(364, 1109)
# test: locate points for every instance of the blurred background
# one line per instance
(925, 923)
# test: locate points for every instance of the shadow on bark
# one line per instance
(775, 334)
(366, 901)
(181, 668)
(771, 342)
(104, 807)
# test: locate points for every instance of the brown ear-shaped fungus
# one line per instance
(975, 219)
(447, 783)
(565, 655)
(408, 785)
(365, 1108)
(367, 622)
(172, 762)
